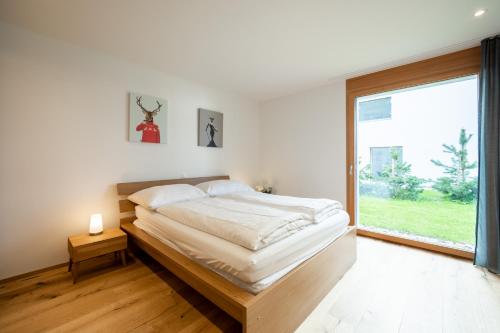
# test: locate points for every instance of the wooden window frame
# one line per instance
(446, 67)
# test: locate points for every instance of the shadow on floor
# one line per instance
(209, 310)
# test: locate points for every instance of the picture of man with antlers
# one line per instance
(150, 131)
(143, 112)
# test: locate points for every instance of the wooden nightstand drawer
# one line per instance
(93, 250)
(83, 247)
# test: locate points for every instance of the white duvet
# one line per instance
(241, 222)
(315, 209)
(253, 268)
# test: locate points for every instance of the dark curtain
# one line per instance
(488, 205)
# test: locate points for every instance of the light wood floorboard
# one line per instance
(391, 288)
(394, 288)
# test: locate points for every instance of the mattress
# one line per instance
(251, 270)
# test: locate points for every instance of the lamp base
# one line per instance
(95, 233)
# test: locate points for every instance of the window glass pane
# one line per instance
(375, 109)
(413, 180)
(381, 158)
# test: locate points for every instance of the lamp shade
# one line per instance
(95, 226)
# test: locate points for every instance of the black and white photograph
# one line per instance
(210, 128)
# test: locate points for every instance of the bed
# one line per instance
(276, 305)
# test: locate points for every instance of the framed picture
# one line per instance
(148, 119)
(210, 128)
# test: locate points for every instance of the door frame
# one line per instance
(446, 67)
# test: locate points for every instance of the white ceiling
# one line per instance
(261, 48)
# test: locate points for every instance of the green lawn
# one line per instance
(430, 216)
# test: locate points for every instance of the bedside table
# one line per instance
(83, 247)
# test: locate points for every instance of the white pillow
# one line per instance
(157, 196)
(221, 187)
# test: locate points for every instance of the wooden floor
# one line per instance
(391, 288)
(394, 288)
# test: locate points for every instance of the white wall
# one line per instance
(63, 142)
(451, 107)
(303, 143)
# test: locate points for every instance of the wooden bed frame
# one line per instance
(282, 307)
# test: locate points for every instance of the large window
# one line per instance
(412, 153)
(429, 192)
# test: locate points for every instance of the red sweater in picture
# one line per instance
(150, 132)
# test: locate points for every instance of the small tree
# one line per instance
(402, 184)
(365, 173)
(458, 185)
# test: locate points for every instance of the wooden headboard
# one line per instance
(127, 206)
